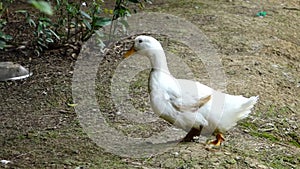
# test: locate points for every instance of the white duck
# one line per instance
(188, 104)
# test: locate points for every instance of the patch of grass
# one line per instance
(277, 164)
(271, 111)
(173, 163)
(281, 161)
(253, 130)
(295, 139)
(266, 135)
(248, 125)
(294, 143)
(277, 120)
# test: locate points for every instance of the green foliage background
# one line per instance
(63, 22)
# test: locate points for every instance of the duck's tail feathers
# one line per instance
(247, 106)
(235, 112)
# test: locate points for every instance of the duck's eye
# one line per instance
(140, 41)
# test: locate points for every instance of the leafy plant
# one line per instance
(3, 37)
(43, 32)
(121, 11)
(43, 6)
(80, 24)
(72, 22)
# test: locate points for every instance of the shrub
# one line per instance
(68, 22)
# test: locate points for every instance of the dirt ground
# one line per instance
(260, 56)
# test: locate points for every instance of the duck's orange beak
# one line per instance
(130, 52)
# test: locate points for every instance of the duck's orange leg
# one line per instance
(219, 140)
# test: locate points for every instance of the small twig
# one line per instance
(292, 8)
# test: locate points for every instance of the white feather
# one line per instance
(178, 100)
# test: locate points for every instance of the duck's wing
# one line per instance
(192, 107)
(189, 96)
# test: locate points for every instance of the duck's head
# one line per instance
(144, 45)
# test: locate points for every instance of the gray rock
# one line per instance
(12, 71)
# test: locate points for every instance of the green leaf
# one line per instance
(84, 14)
(31, 22)
(2, 44)
(43, 6)
(58, 2)
(48, 33)
(71, 104)
(53, 33)
(7, 37)
(21, 11)
(100, 22)
(72, 10)
(49, 40)
(40, 27)
(42, 43)
(87, 24)
(45, 19)
(2, 22)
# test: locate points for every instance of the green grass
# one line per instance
(265, 135)
(278, 134)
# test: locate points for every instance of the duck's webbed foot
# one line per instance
(219, 139)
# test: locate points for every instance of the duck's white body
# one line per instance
(175, 100)
(185, 103)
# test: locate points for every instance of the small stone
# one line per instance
(136, 163)
(227, 153)
(246, 131)
(275, 66)
(219, 153)
(256, 63)
(21, 47)
(238, 158)
(176, 154)
(4, 162)
(260, 166)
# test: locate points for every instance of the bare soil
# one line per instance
(260, 56)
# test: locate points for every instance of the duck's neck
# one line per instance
(159, 61)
